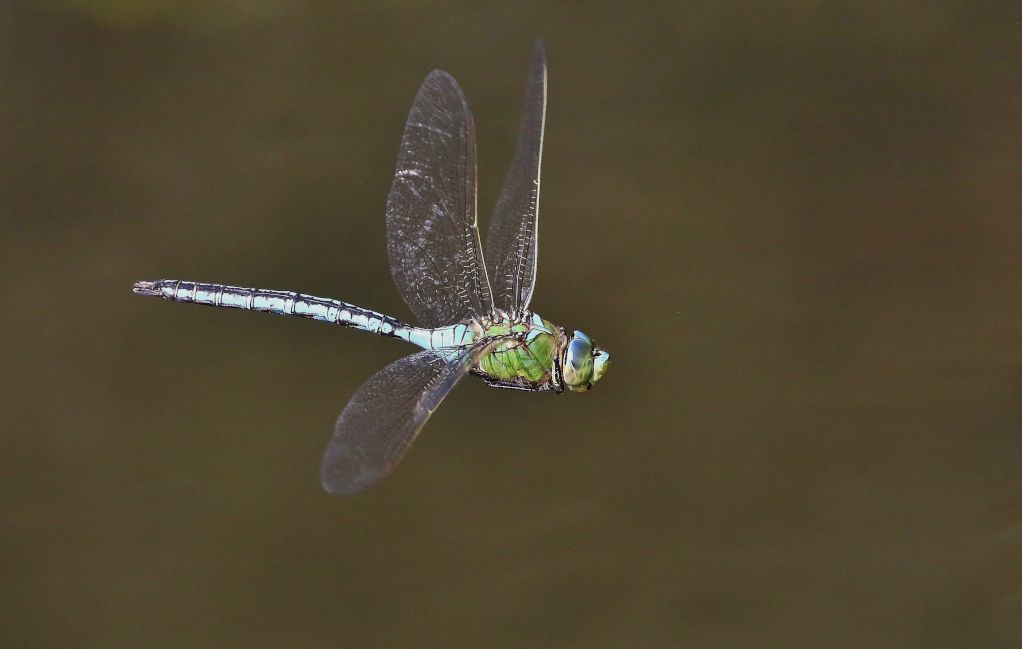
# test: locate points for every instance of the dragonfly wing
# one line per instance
(433, 240)
(511, 244)
(386, 414)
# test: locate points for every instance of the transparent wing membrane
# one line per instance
(432, 236)
(511, 244)
(386, 414)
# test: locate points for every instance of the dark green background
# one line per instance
(797, 227)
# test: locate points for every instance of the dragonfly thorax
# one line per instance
(536, 355)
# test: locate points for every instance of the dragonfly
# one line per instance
(473, 309)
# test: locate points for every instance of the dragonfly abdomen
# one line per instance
(278, 302)
(459, 335)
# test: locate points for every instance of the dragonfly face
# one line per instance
(583, 363)
(473, 308)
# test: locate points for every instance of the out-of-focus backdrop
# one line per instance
(796, 225)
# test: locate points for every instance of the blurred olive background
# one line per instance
(796, 225)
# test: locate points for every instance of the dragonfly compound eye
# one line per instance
(578, 363)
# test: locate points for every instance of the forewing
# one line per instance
(387, 413)
(511, 244)
(432, 235)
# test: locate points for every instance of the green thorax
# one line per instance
(526, 356)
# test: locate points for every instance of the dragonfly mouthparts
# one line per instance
(146, 288)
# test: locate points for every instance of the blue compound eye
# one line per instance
(579, 334)
(578, 363)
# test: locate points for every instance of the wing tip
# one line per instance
(439, 75)
(539, 53)
(341, 485)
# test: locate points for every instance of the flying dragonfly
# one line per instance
(474, 310)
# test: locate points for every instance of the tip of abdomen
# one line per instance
(146, 288)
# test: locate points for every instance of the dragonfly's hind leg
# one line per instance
(520, 383)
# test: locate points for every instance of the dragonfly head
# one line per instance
(583, 363)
